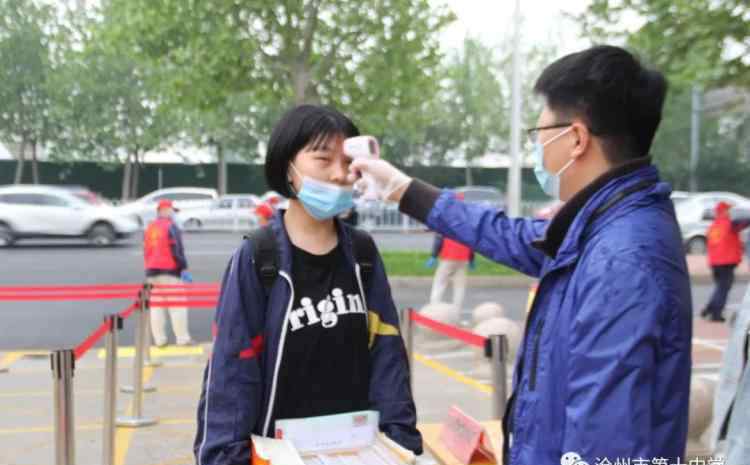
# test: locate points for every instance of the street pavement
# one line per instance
(445, 372)
(55, 325)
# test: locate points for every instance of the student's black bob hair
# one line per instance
(302, 126)
(619, 99)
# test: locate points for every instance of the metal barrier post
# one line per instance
(110, 389)
(141, 331)
(408, 332)
(147, 288)
(63, 367)
(497, 351)
(137, 420)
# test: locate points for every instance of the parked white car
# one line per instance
(52, 212)
(234, 212)
(143, 210)
(696, 213)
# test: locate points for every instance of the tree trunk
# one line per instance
(469, 176)
(20, 163)
(135, 175)
(34, 163)
(300, 79)
(126, 173)
(221, 169)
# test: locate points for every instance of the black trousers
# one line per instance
(723, 280)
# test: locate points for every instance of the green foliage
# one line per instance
(376, 60)
(693, 42)
(690, 40)
(26, 30)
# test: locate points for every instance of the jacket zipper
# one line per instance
(272, 397)
(362, 293)
(535, 358)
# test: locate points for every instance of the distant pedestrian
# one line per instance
(454, 260)
(724, 254)
(165, 264)
(264, 211)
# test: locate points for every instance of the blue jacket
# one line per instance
(604, 367)
(239, 384)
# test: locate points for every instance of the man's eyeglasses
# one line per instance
(533, 133)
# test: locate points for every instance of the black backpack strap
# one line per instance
(265, 256)
(364, 253)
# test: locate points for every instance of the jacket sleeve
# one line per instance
(482, 228)
(178, 250)
(230, 401)
(390, 385)
(615, 337)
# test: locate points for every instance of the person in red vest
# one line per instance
(724, 254)
(165, 263)
(454, 260)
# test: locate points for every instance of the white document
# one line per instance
(331, 433)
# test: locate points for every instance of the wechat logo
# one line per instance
(571, 458)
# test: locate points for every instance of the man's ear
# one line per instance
(582, 138)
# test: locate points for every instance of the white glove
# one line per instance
(388, 179)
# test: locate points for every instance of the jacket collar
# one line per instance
(285, 244)
(564, 232)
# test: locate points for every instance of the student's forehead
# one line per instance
(326, 141)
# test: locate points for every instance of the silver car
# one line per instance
(696, 213)
(229, 212)
(143, 210)
(50, 212)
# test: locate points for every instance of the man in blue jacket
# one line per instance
(604, 369)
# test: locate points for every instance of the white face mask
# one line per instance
(550, 182)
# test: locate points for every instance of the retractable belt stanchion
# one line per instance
(137, 419)
(147, 288)
(63, 366)
(110, 389)
(141, 331)
(496, 349)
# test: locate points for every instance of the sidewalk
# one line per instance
(27, 436)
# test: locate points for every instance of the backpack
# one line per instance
(266, 255)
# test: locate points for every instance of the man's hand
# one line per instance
(390, 182)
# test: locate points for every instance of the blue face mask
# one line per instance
(550, 182)
(323, 200)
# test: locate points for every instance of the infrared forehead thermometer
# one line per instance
(364, 147)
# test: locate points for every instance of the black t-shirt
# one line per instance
(325, 367)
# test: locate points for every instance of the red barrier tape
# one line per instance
(448, 330)
(186, 303)
(66, 297)
(185, 294)
(81, 350)
(80, 288)
(187, 286)
(125, 314)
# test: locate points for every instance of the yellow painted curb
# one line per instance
(444, 370)
(156, 352)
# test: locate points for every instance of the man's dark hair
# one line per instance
(299, 127)
(619, 99)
